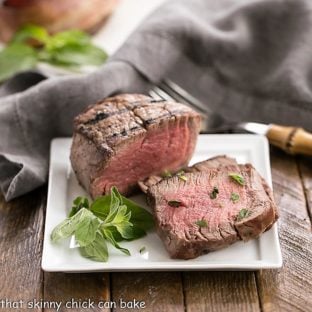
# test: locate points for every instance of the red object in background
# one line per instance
(17, 3)
(54, 15)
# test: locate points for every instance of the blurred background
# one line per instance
(110, 21)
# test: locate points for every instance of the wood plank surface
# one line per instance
(289, 289)
(78, 292)
(160, 291)
(220, 292)
(21, 233)
(305, 169)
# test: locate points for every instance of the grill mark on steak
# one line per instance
(113, 125)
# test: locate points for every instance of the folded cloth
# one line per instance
(250, 60)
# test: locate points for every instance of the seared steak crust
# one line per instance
(220, 216)
(117, 141)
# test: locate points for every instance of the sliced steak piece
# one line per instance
(214, 162)
(126, 138)
(210, 210)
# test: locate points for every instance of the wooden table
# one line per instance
(287, 289)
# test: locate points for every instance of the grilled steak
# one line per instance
(209, 209)
(126, 138)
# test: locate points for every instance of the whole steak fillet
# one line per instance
(126, 138)
(199, 213)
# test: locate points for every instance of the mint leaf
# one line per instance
(86, 231)
(121, 222)
(101, 206)
(140, 217)
(70, 225)
(108, 235)
(97, 250)
(28, 32)
(16, 58)
(79, 203)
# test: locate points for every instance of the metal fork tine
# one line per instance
(155, 95)
(163, 94)
(183, 96)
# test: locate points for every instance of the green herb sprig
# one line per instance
(32, 44)
(111, 218)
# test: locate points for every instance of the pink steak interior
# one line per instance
(197, 204)
(168, 147)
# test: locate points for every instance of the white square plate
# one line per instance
(261, 253)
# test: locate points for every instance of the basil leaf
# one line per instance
(27, 32)
(97, 250)
(70, 225)
(112, 240)
(76, 55)
(16, 58)
(86, 231)
(69, 37)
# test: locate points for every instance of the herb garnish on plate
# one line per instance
(110, 218)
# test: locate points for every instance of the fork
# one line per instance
(292, 140)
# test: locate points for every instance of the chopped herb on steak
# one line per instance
(237, 178)
(174, 203)
(234, 197)
(201, 223)
(214, 193)
(243, 213)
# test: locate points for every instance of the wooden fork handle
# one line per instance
(291, 139)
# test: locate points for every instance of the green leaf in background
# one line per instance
(28, 32)
(16, 58)
(32, 44)
(97, 250)
(69, 37)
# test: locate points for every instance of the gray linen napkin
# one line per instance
(250, 60)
